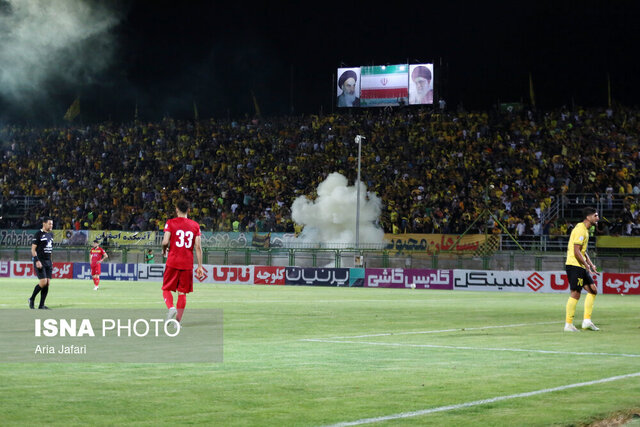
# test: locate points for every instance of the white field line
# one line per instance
(386, 334)
(344, 340)
(132, 301)
(452, 347)
(479, 402)
(195, 300)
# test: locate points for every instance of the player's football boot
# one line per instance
(568, 327)
(588, 324)
(171, 314)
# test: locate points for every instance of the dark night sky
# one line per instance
(169, 54)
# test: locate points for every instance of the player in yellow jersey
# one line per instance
(579, 270)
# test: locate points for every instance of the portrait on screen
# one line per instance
(348, 87)
(421, 84)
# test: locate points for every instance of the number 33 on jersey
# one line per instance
(183, 233)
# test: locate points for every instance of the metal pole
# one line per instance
(358, 140)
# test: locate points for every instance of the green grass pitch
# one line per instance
(305, 356)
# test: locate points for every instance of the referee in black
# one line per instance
(41, 248)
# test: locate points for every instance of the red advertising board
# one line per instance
(269, 275)
(621, 283)
(232, 274)
(553, 281)
(22, 269)
(63, 270)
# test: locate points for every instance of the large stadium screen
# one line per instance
(421, 84)
(348, 87)
(384, 85)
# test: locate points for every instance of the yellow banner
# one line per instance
(475, 244)
(116, 238)
(618, 242)
(124, 238)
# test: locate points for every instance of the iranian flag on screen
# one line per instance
(383, 85)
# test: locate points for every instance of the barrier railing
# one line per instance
(500, 260)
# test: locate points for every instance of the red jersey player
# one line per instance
(181, 236)
(97, 256)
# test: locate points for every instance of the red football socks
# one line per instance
(168, 298)
(182, 302)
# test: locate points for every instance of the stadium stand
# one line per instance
(435, 171)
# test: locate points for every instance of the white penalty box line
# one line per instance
(350, 340)
(454, 347)
(440, 331)
(479, 402)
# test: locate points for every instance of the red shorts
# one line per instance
(180, 280)
(96, 269)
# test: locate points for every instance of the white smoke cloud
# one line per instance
(331, 217)
(43, 42)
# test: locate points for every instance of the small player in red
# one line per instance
(97, 256)
(181, 236)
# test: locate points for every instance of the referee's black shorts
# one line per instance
(46, 272)
(578, 277)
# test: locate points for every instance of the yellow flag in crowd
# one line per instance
(608, 90)
(255, 105)
(73, 111)
(532, 96)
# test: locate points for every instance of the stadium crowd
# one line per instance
(435, 171)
